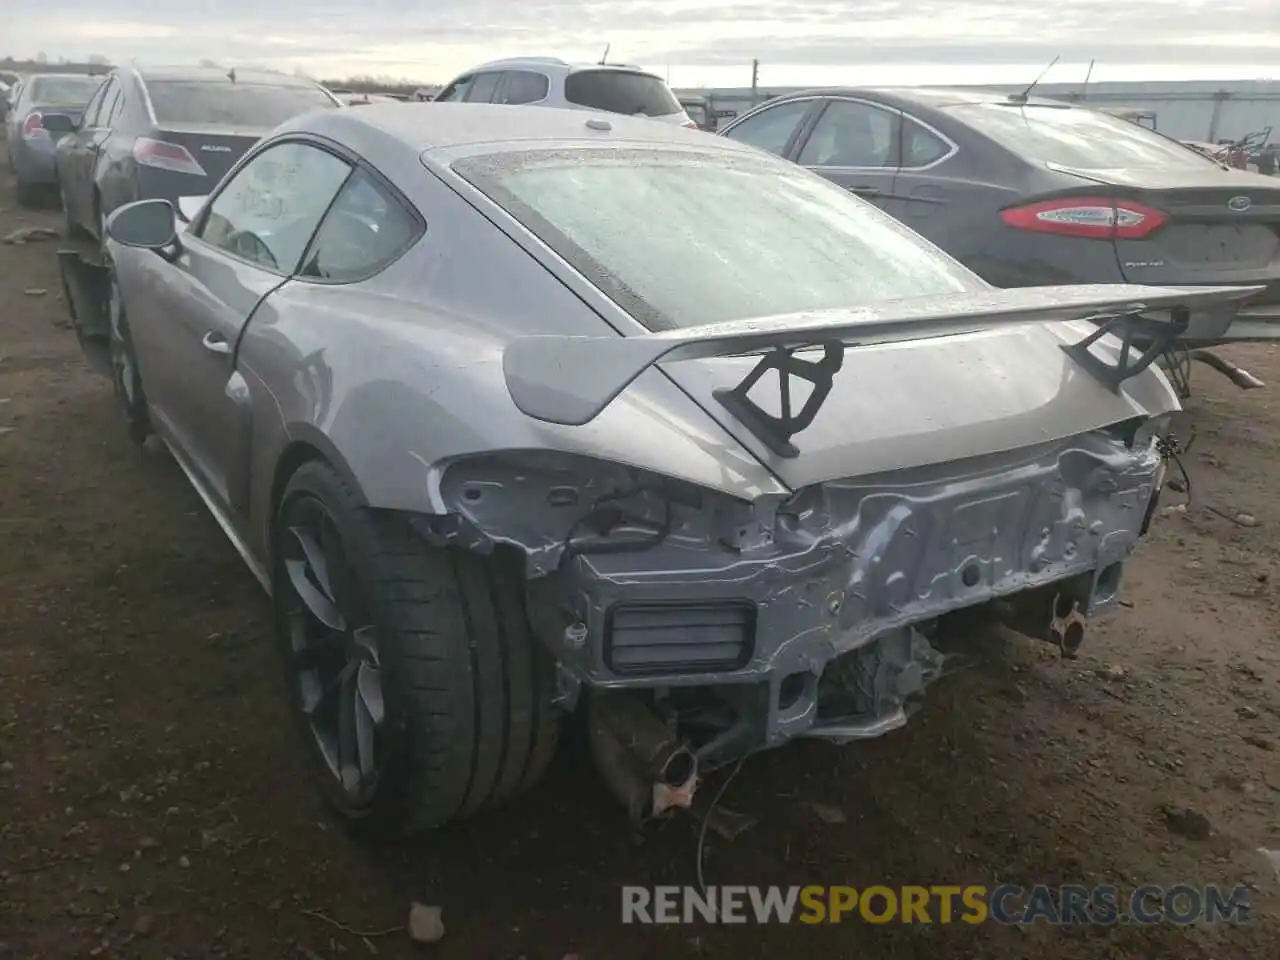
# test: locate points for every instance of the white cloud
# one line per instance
(711, 41)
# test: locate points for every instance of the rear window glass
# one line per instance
(1075, 137)
(621, 91)
(232, 104)
(71, 90)
(682, 238)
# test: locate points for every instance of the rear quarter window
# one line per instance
(1075, 137)
(621, 91)
(232, 104)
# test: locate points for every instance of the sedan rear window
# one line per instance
(1075, 137)
(232, 104)
(682, 238)
(621, 91)
(66, 90)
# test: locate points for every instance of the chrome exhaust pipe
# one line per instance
(639, 756)
(1052, 617)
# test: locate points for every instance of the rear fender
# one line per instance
(87, 289)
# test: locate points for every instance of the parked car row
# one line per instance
(141, 133)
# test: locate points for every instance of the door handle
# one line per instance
(215, 343)
(865, 191)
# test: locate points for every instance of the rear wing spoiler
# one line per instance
(571, 379)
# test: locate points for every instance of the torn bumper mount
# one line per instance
(854, 569)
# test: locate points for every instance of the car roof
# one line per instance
(433, 125)
(546, 64)
(31, 77)
(935, 97)
(219, 75)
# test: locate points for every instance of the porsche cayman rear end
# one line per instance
(933, 444)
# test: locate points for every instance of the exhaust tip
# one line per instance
(680, 767)
(1072, 637)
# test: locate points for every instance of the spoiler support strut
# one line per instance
(776, 432)
(1157, 337)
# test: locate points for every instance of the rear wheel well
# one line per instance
(294, 456)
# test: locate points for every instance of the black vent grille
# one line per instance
(679, 636)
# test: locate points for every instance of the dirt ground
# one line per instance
(153, 802)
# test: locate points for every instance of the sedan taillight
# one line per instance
(163, 155)
(33, 126)
(1100, 218)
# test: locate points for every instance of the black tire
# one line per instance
(465, 688)
(125, 376)
(74, 230)
(28, 194)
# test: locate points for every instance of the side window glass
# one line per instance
(483, 87)
(851, 134)
(90, 108)
(523, 86)
(267, 213)
(363, 232)
(921, 147)
(456, 90)
(93, 113)
(110, 115)
(771, 129)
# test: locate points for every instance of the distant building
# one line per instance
(1205, 110)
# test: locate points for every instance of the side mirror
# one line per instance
(58, 124)
(149, 224)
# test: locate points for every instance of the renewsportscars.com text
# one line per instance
(971, 904)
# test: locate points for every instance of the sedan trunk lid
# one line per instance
(1217, 227)
(183, 160)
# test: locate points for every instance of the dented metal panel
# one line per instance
(834, 567)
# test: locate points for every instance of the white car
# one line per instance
(550, 82)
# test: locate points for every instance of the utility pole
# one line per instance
(755, 79)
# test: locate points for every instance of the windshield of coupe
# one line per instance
(233, 104)
(683, 238)
(75, 91)
(1075, 137)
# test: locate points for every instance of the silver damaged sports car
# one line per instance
(516, 412)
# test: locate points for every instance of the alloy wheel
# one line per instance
(333, 654)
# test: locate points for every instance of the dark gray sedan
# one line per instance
(1037, 191)
(47, 106)
(514, 411)
(169, 132)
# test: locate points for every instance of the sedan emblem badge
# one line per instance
(1239, 204)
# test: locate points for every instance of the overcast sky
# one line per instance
(698, 41)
